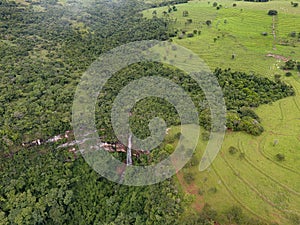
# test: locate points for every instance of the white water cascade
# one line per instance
(129, 159)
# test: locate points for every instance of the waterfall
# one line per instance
(129, 160)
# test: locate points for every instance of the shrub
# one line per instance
(189, 21)
(280, 157)
(189, 177)
(180, 36)
(235, 214)
(178, 134)
(207, 215)
(232, 150)
(289, 65)
(205, 135)
(213, 190)
(173, 34)
(242, 155)
(169, 148)
(208, 22)
(251, 126)
(293, 34)
(272, 12)
(190, 35)
(277, 76)
(194, 161)
(185, 13)
(245, 111)
(288, 74)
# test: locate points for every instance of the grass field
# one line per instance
(263, 186)
(240, 35)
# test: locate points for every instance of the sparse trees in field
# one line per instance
(289, 65)
(294, 4)
(235, 214)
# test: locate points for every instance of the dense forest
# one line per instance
(45, 46)
(43, 55)
(242, 92)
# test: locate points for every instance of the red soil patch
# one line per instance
(120, 170)
(198, 204)
(280, 57)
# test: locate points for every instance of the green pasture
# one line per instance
(238, 30)
(252, 178)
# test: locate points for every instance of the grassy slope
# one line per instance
(241, 35)
(259, 183)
